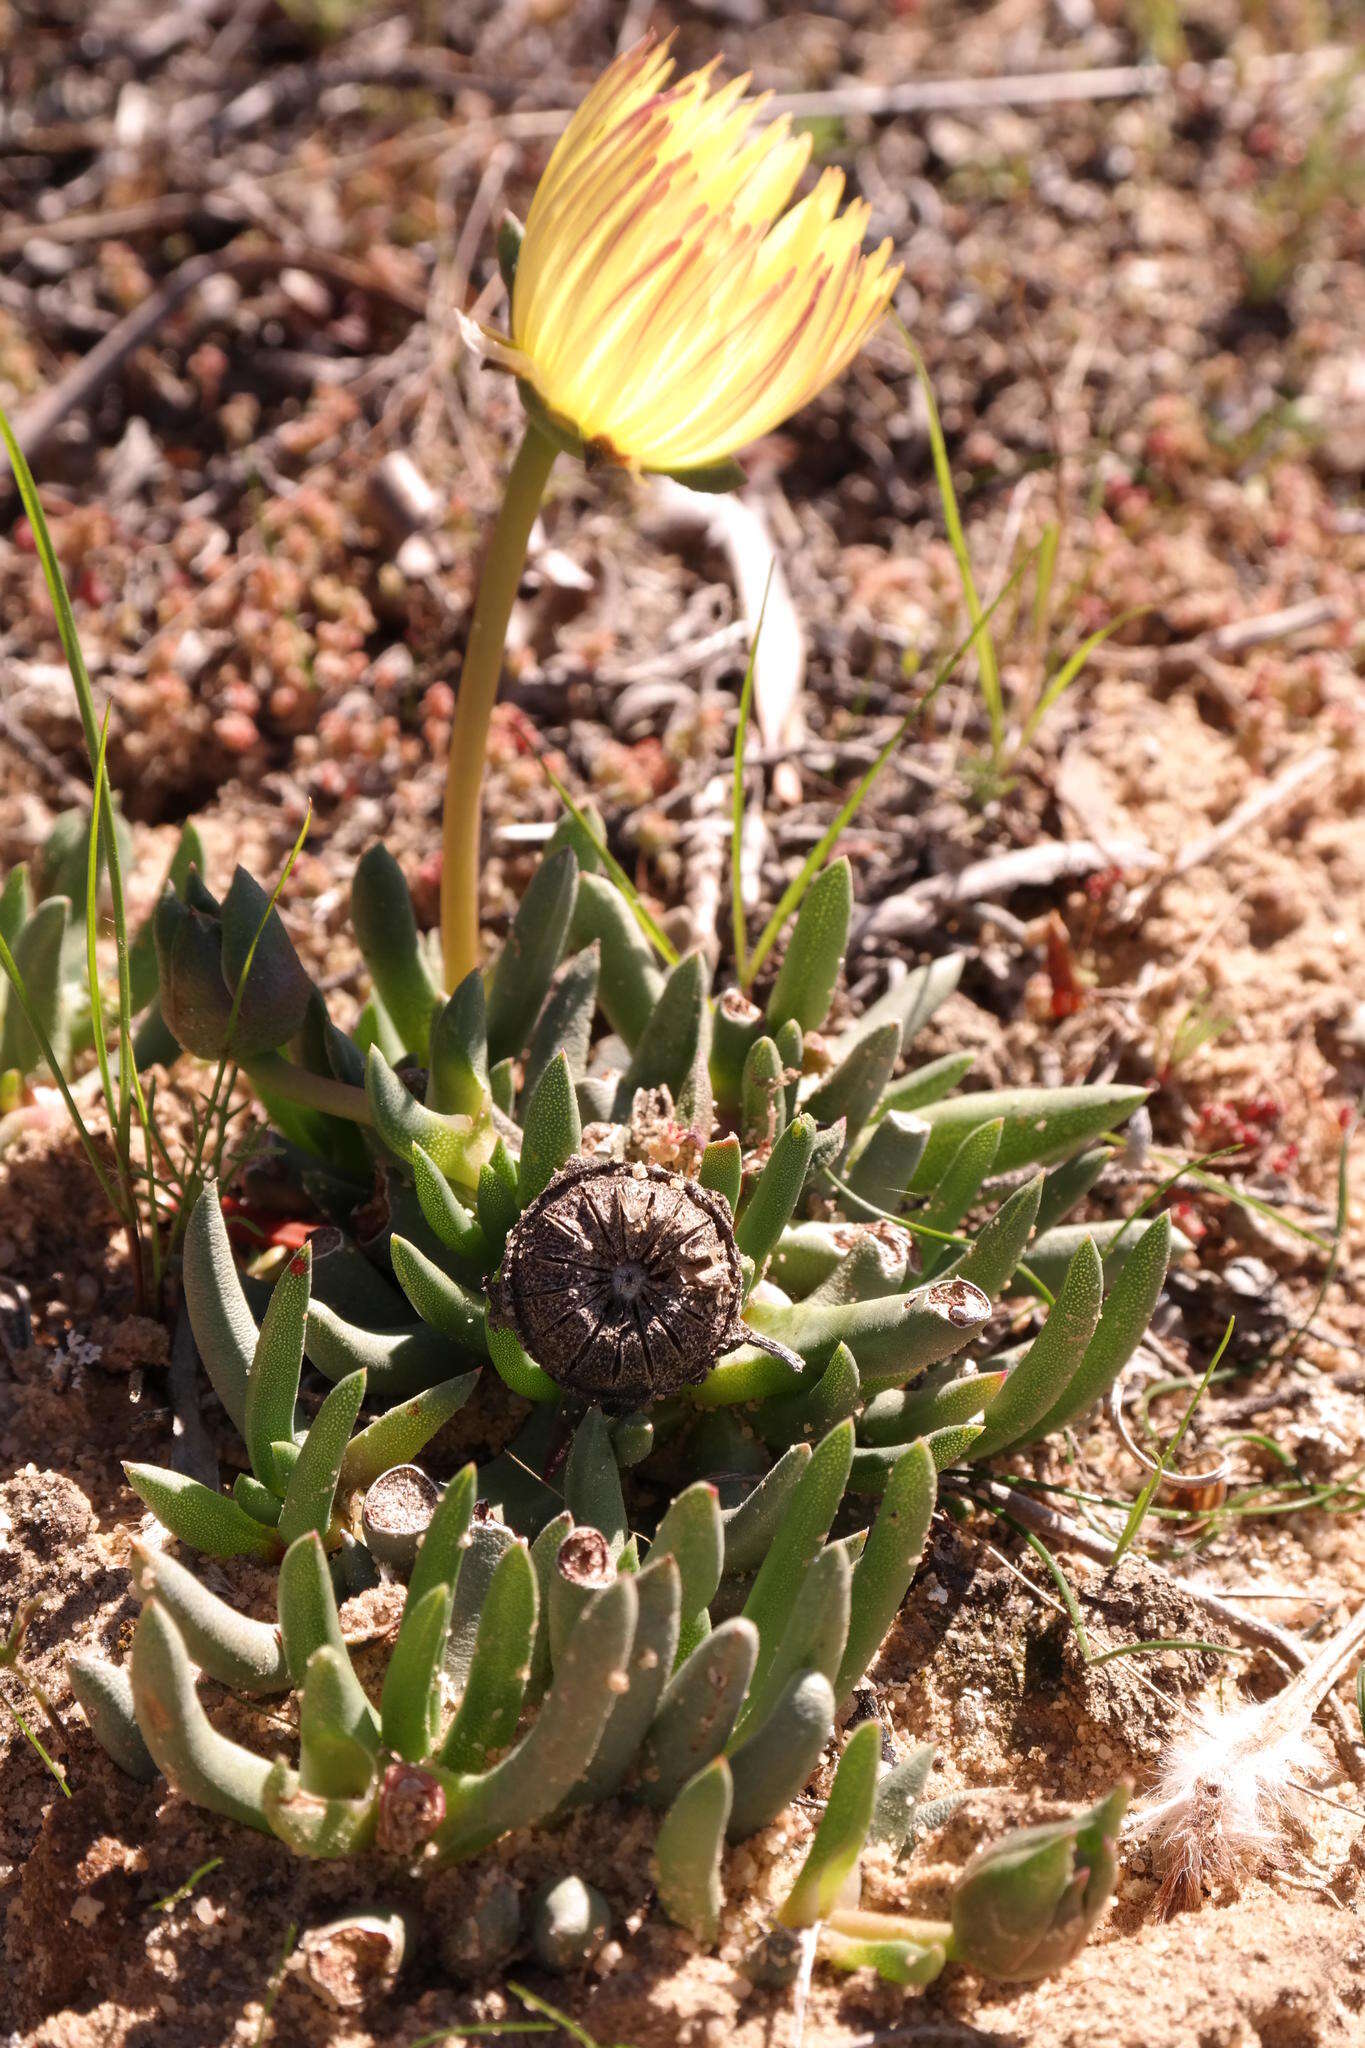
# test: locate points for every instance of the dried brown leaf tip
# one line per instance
(622, 1281)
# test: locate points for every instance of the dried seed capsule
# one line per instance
(622, 1282)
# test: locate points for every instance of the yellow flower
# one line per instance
(665, 309)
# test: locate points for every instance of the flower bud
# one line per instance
(1024, 1906)
(203, 951)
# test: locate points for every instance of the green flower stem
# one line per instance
(474, 705)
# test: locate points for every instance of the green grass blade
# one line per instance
(815, 860)
(746, 700)
(987, 663)
(657, 937)
(1066, 675)
(1144, 1500)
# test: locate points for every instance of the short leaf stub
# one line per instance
(622, 1282)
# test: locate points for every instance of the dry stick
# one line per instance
(1248, 1628)
(40, 419)
(1273, 796)
(1026, 867)
(971, 95)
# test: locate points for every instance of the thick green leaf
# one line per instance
(806, 980)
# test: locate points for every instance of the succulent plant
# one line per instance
(299, 1479)
(628, 1673)
(718, 1259)
(728, 1228)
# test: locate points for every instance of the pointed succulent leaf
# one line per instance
(485, 1546)
(16, 905)
(899, 1792)
(224, 1329)
(585, 833)
(499, 1669)
(459, 1146)
(800, 1534)
(693, 1533)
(308, 1615)
(961, 1180)
(410, 1697)
(444, 1546)
(722, 1170)
(1041, 1125)
(566, 1019)
(496, 1203)
(592, 1481)
(791, 1048)
(1115, 1240)
(544, 1554)
(272, 1386)
(551, 1130)
(1069, 1184)
(386, 932)
(663, 1054)
(843, 1828)
(1044, 1374)
(1121, 1328)
(806, 980)
(884, 1163)
(900, 1414)
(206, 1520)
(630, 983)
(999, 1247)
(688, 1851)
(762, 1096)
(776, 1761)
(338, 1741)
(652, 1655)
(104, 1693)
(873, 1465)
(38, 957)
(912, 1002)
(893, 1337)
(396, 1363)
(396, 1437)
(812, 1638)
(807, 1416)
(502, 1085)
(882, 1575)
(439, 1300)
(519, 978)
(539, 1774)
(699, 1708)
(853, 1090)
(517, 1369)
(313, 1483)
(314, 1826)
(457, 1080)
(929, 1083)
(260, 1502)
(777, 1191)
(455, 1225)
(876, 1266)
(808, 1254)
(245, 1654)
(751, 1526)
(201, 1764)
